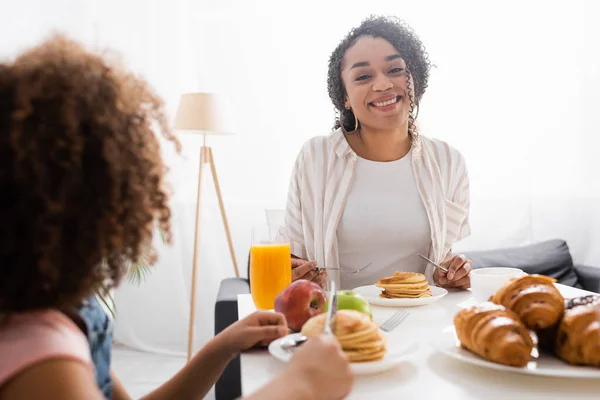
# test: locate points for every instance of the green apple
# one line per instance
(350, 300)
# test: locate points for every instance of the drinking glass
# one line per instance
(270, 267)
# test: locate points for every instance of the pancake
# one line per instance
(359, 336)
(402, 277)
(406, 290)
(387, 295)
(404, 285)
(365, 357)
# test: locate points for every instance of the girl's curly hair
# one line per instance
(408, 44)
(81, 175)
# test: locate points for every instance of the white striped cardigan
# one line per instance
(321, 181)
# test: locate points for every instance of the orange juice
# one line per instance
(270, 273)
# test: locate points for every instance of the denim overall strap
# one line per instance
(99, 334)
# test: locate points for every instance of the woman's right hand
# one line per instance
(302, 269)
(321, 368)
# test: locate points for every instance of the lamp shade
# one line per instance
(204, 113)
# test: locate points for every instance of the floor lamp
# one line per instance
(202, 113)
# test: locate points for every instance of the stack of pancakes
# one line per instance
(404, 285)
(359, 336)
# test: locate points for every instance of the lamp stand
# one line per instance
(206, 157)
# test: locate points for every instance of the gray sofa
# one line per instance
(551, 258)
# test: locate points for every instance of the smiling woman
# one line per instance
(380, 101)
(374, 190)
(359, 55)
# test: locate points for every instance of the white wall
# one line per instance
(516, 89)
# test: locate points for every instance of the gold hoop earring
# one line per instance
(355, 122)
(416, 113)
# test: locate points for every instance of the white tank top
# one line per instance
(384, 222)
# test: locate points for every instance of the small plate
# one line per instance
(371, 294)
(545, 365)
(396, 354)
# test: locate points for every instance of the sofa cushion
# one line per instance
(589, 277)
(551, 258)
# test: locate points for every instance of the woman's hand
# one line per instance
(258, 329)
(302, 269)
(459, 273)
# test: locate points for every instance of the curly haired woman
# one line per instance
(375, 191)
(81, 188)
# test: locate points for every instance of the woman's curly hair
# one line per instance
(408, 44)
(81, 175)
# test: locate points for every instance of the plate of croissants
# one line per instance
(528, 327)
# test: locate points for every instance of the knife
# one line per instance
(434, 264)
(331, 310)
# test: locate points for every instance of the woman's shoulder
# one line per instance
(318, 143)
(32, 337)
(331, 143)
(443, 153)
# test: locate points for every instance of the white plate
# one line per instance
(396, 354)
(371, 294)
(544, 365)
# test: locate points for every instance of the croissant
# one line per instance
(547, 337)
(494, 333)
(590, 299)
(578, 336)
(534, 298)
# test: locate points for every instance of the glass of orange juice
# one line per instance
(270, 268)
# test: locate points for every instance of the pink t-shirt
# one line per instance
(31, 337)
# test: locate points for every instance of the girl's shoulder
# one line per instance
(29, 338)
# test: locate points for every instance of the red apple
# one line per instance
(299, 302)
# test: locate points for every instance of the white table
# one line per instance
(429, 374)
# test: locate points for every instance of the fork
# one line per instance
(434, 264)
(392, 323)
(339, 269)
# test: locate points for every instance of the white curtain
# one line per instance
(516, 90)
